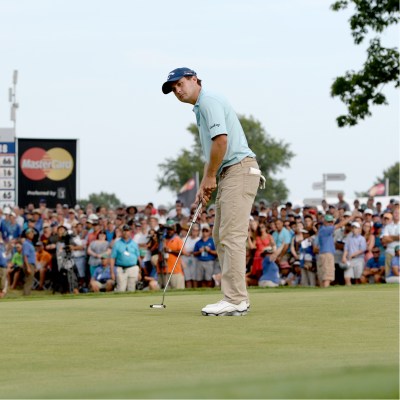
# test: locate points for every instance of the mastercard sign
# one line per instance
(55, 164)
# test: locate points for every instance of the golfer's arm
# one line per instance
(217, 153)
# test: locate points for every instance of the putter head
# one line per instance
(158, 306)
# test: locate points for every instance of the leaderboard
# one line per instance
(7, 174)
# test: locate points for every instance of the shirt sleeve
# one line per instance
(213, 113)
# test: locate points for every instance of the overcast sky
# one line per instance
(93, 70)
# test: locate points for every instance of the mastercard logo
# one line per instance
(55, 164)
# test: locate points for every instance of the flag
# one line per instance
(377, 190)
(187, 193)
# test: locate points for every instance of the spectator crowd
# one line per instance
(77, 250)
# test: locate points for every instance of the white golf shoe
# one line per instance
(223, 308)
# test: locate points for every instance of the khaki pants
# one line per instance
(177, 281)
(388, 263)
(236, 192)
(127, 278)
(3, 280)
(28, 282)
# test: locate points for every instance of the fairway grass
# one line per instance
(295, 343)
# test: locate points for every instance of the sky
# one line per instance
(92, 70)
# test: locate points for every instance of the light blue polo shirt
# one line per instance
(215, 116)
(126, 254)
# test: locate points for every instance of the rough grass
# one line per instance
(295, 343)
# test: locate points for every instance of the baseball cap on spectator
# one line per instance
(170, 224)
(65, 206)
(53, 224)
(39, 244)
(329, 218)
(93, 218)
(13, 214)
(332, 206)
(368, 211)
(262, 214)
(313, 212)
(129, 207)
(296, 207)
(174, 76)
(356, 225)
(347, 214)
(77, 207)
(378, 225)
(105, 256)
(205, 227)
(29, 230)
(161, 207)
(126, 228)
(7, 211)
(42, 201)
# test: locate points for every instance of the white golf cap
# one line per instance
(356, 225)
(368, 211)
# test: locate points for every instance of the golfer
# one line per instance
(228, 157)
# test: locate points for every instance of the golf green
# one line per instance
(341, 342)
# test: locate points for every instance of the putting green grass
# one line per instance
(295, 343)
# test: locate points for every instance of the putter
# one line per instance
(162, 305)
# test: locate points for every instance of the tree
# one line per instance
(101, 199)
(272, 157)
(359, 90)
(393, 175)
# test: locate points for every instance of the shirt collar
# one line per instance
(198, 100)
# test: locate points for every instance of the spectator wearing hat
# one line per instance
(31, 226)
(206, 254)
(326, 250)
(102, 279)
(162, 214)
(390, 237)
(125, 258)
(172, 244)
(353, 255)
(393, 276)
(43, 263)
(94, 228)
(374, 270)
(29, 257)
(131, 212)
(270, 274)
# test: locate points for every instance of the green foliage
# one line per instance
(359, 90)
(101, 199)
(272, 156)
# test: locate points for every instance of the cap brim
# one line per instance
(166, 87)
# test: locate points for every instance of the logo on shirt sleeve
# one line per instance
(215, 126)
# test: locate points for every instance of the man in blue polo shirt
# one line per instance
(29, 257)
(205, 253)
(326, 245)
(228, 157)
(124, 256)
